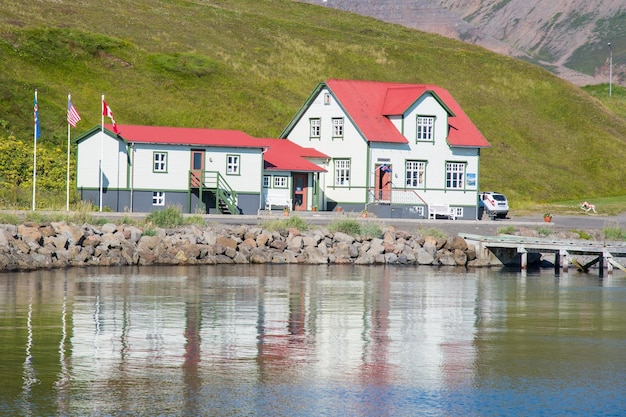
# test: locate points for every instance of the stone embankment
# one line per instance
(33, 246)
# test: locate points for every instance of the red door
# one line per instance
(382, 187)
(197, 167)
(299, 191)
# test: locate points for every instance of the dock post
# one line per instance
(601, 266)
(564, 259)
(557, 263)
(609, 264)
(523, 258)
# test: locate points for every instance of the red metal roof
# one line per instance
(284, 155)
(186, 136)
(281, 154)
(368, 103)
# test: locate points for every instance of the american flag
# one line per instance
(72, 115)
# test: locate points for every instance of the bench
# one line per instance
(435, 210)
(277, 198)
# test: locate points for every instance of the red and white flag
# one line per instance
(72, 114)
(106, 111)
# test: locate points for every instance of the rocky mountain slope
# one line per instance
(568, 37)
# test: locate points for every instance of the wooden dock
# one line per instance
(565, 251)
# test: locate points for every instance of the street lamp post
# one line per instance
(610, 69)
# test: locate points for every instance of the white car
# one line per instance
(494, 204)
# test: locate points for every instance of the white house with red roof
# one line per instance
(146, 168)
(394, 149)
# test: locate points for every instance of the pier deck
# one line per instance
(564, 250)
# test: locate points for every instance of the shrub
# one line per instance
(195, 219)
(149, 232)
(169, 217)
(544, 231)
(348, 226)
(295, 222)
(614, 233)
(7, 218)
(506, 230)
(436, 233)
(370, 230)
(583, 235)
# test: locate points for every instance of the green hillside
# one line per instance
(250, 64)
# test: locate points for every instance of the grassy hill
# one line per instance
(250, 64)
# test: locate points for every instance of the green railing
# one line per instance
(225, 196)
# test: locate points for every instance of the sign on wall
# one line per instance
(471, 179)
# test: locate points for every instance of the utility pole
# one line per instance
(610, 69)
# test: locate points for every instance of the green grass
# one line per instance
(292, 221)
(614, 232)
(353, 227)
(250, 64)
(506, 230)
(605, 206)
(431, 231)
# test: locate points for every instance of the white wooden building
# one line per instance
(394, 149)
(146, 168)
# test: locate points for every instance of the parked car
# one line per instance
(495, 205)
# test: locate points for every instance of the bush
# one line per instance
(506, 230)
(295, 222)
(614, 233)
(170, 217)
(347, 226)
(436, 233)
(370, 230)
(195, 219)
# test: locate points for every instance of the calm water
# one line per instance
(311, 341)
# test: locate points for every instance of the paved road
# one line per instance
(452, 227)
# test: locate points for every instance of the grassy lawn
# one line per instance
(607, 206)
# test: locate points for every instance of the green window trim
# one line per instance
(233, 164)
(159, 162)
(425, 128)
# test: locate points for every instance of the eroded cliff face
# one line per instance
(571, 35)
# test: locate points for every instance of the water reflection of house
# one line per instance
(361, 329)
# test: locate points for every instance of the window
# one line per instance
(338, 127)
(455, 174)
(280, 182)
(425, 126)
(415, 172)
(266, 181)
(232, 164)
(158, 198)
(160, 162)
(316, 128)
(342, 172)
(326, 99)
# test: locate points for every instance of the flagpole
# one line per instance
(67, 178)
(35, 136)
(101, 150)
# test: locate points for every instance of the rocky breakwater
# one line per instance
(33, 246)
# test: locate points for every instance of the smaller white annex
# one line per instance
(146, 168)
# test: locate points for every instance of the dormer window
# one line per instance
(338, 128)
(425, 129)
